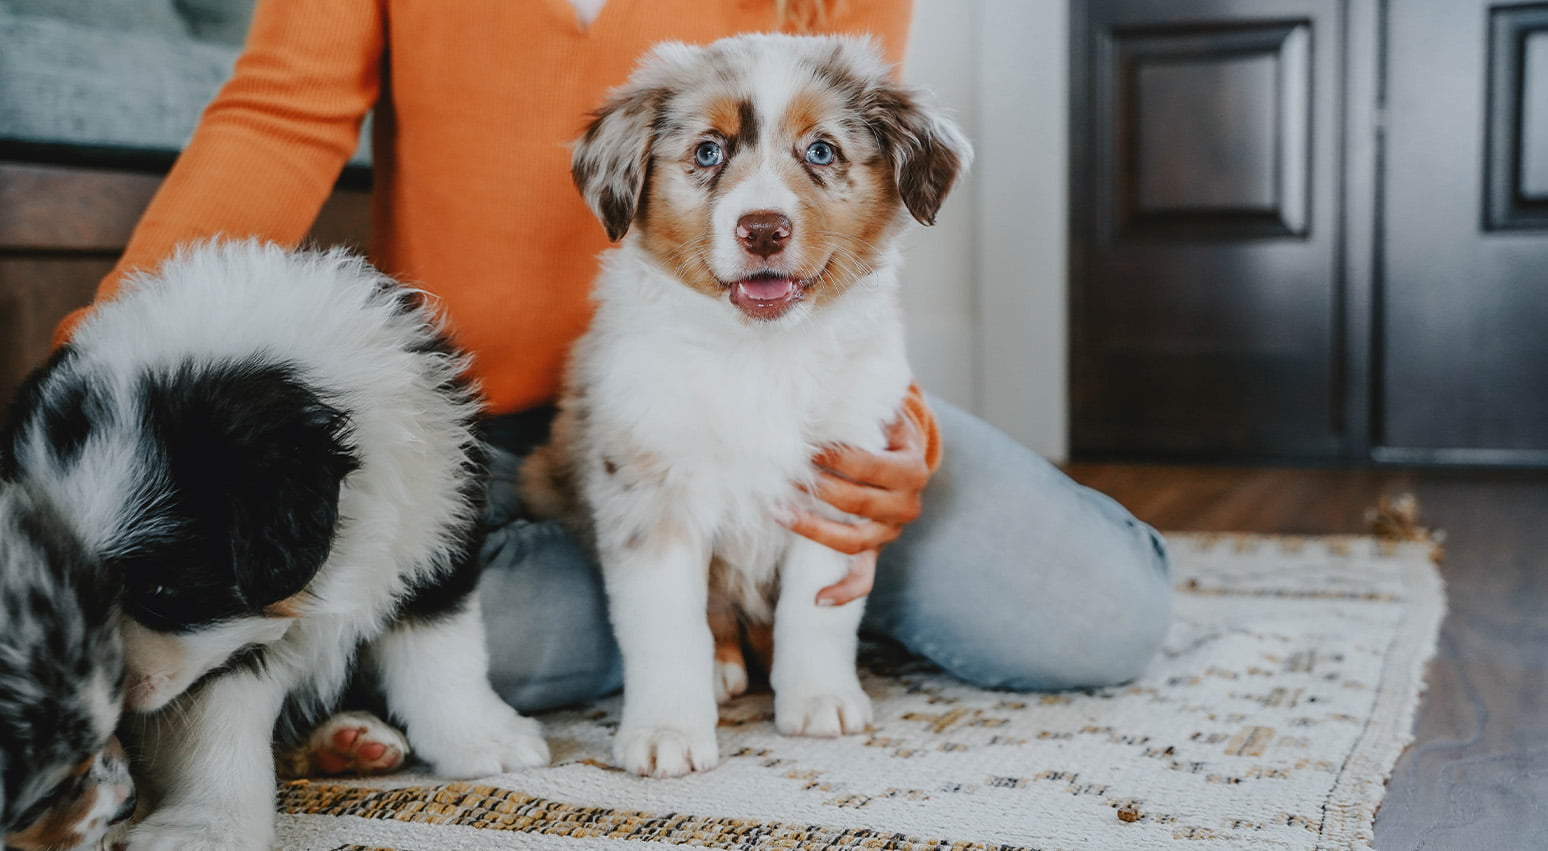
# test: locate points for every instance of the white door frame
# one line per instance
(1022, 176)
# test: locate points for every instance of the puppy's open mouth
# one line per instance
(767, 295)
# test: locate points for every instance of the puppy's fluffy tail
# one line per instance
(545, 483)
(549, 481)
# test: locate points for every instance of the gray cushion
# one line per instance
(130, 84)
(62, 81)
(219, 21)
(222, 21)
(150, 17)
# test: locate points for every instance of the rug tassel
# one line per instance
(1397, 520)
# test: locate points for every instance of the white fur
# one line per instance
(735, 412)
(164, 664)
(460, 732)
(586, 11)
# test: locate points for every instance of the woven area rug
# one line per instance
(1284, 696)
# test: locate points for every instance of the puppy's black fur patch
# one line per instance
(248, 511)
(63, 412)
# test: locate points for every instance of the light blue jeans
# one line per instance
(1014, 577)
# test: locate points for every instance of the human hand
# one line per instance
(883, 489)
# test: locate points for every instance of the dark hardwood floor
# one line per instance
(1476, 776)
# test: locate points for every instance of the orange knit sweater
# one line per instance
(476, 104)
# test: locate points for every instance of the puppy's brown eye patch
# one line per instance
(733, 119)
(806, 112)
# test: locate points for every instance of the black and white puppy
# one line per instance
(274, 453)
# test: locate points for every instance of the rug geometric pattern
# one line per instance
(1284, 695)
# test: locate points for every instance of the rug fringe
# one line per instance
(1397, 520)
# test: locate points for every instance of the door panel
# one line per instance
(1517, 117)
(1211, 132)
(1463, 349)
(1265, 267)
(1206, 305)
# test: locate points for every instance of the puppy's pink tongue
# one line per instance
(765, 298)
(766, 289)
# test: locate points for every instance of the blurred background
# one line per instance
(1304, 231)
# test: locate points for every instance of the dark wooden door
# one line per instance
(1461, 368)
(1280, 252)
(1207, 298)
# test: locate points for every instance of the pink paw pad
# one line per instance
(356, 743)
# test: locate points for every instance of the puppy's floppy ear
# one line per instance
(927, 150)
(286, 513)
(255, 460)
(611, 158)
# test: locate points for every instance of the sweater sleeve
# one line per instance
(887, 20)
(272, 143)
(915, 408)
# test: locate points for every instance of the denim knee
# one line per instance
(1039, 630)
(545, 618)
(1033, 655)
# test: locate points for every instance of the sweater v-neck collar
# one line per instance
(571, 22)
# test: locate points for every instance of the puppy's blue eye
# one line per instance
(708, 155)
(821, 153)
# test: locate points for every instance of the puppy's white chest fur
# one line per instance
(702, 423)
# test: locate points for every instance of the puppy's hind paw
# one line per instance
(825, 716)
(665, 751)
(116, 838)
(730, 679)
(501, 742)
(353, 743)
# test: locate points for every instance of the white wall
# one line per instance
(940, 278)
(985, 289)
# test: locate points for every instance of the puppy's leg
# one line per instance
(209, 766)
(657, 593)
(816, 689)
(435, 672)
(730, 664)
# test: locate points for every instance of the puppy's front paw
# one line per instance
(823, 715)
(498, 742)
(665, 751)
(185, 829)
(116, 838)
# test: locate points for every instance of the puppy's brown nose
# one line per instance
(763, 233)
